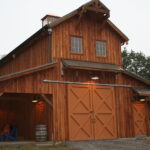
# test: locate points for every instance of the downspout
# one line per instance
(49, 44)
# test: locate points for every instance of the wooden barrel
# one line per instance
(41, 133)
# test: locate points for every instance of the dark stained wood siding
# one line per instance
(125, 124)
(124, 100)
(34, 54)
(32, 83)
(128, 80)
(84, 76)
(90, 31)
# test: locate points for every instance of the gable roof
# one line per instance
(85, 6)
(60, 20)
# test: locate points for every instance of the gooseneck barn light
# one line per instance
(93, 76)
(35, 99)
(142, 100)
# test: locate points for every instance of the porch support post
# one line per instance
(46, 99)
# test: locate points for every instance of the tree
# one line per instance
(136, 62)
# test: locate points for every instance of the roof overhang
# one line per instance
(86, 65)
(142, 91)
(60, 20)
(27, 71)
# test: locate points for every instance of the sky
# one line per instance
(19, 19)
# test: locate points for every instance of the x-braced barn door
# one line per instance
(91, 112)
(139, 112)
(104, 112)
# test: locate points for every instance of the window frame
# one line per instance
(106, 53)
(75, 36)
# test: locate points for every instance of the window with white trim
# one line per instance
(101, 48)
(76, 45)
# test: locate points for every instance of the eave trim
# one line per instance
(142, 91)
(26, 71)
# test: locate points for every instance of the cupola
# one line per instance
(48, 19)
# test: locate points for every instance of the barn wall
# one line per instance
(60, 112)
(90, 31)
(128, 80)
(32, 83)
(124, 102)
(34, 54)
(84, 76)
(124, 115)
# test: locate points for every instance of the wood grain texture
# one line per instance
(88, 29)
(34, 54)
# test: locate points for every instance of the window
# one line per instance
(76, 45)
(101, 48)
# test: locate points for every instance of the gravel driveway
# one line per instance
(118, 144)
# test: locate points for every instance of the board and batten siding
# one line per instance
(33, 54)
(31, 83)
(90, 31)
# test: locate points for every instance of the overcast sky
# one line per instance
(19, 19)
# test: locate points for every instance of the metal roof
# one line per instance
(69, 63)
(142, 91)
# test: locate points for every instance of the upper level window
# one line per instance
(101, 48)
(76, 45)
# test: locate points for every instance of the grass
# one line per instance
(35, 147)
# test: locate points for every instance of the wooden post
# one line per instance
(46, 99)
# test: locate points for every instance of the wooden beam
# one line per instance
(46, 99)
(98, 10)
(81, 12)
(103, 23)
(96, 3)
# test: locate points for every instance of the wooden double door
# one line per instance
(91, 111)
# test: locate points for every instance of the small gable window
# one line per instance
(76, 45)
(101, 48)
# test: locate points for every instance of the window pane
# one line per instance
(100, 48)
(76, 45)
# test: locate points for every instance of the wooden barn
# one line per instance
(69, 76)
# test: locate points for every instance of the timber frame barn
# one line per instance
(73, 68)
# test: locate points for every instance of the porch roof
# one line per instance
(86, 65)
(26, 71)
(142, 91)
